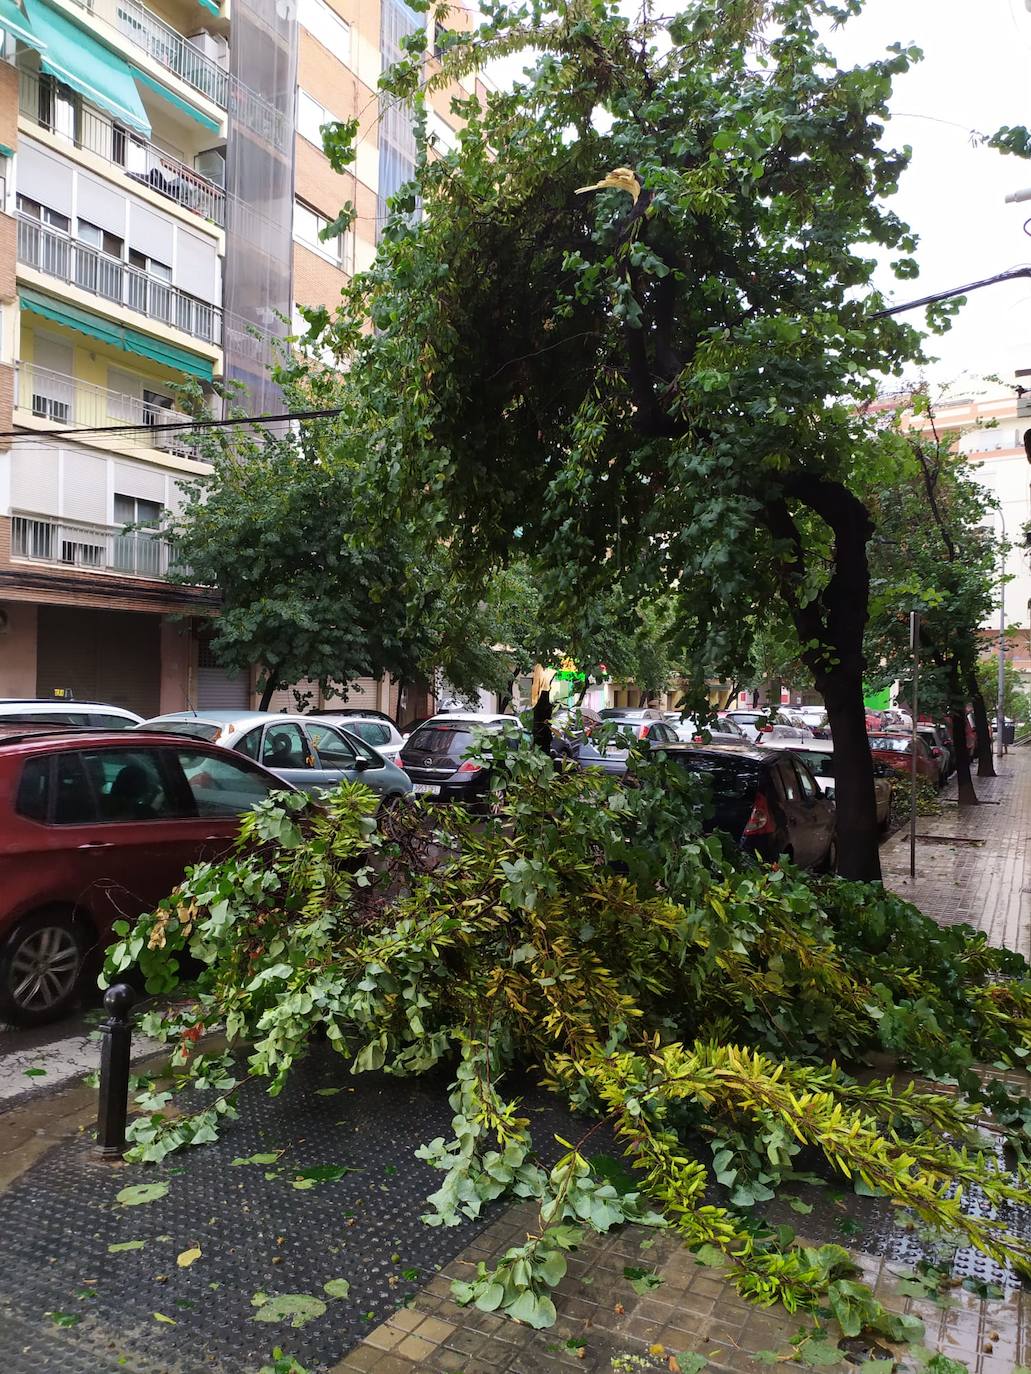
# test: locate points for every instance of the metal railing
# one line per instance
(46, 539)
(161, 42)
(86, 127)
(58, 255)
(69, 402)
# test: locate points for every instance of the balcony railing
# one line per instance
(58, 255)
(161, 42)
(45, 539)
(64, 114)
(71, 403)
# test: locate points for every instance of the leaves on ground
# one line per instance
(269, 1157)
(160, 1317)
(125, 1245)
(319, 1173)
(138, 1193)
(34, 1073)
(188, 1257)
(327, 1092)
(65, 1318)
(711, 1256)
(690, 1362)
(337, 1288)
(296, 1308)
(642, 1280)
(820, 1354)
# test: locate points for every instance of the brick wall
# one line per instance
(8, 105)
(317, 183)
(316, 281)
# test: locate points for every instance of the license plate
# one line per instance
(426, 787)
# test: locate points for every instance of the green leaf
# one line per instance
(269, 1157)
(711, 1256)
(125, 1245)
(490, 1298)
(642, 1281)
(65, 1318)
(337, 1288)
(691, 1362)
(139, 1193)
(327, 1092)
(797, 1205)
(819, 1354)
(296, 1308)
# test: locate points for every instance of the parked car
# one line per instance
(51, 711)
(723, 730)
(938, 749)
(651, 727)
(98, 828)
(818, 756)
(767, 800)
(435, 755)
(312, 754)
(895, 752)
(377, 730)
(630, 713)
(359, 712)
(779, 731)
(751, 721)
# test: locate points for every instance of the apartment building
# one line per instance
(162, 188)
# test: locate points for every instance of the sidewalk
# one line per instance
(974, 862)
(92, 1286)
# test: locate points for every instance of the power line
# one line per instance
(171, 425)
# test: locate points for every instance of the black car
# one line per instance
(769, 802)
(435, 756)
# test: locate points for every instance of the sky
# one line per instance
(976, 74)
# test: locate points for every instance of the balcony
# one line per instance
(102, 548)
(169, 49)
(70, 403)
(58, 255)
(84, 126)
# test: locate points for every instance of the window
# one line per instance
(308, 224)
(284, 746)
(220, 786)
(326, 25)
(805, 781)
(34, 790)
(443, 37)
(42, 214)
(131, 510)
(100, 239)
(333, 750)
(311, 116)
(250, 744)
(159, 270)
(371, 731)
(155, 406)
(139, 551)
(129, 784)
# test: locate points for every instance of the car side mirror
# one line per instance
(361, 764)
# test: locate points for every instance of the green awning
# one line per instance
(75, 57)
(183, 106)
(82, 321)
(116, 335)
(211, 6)
(5, 151)
(168, 354)
(12, 21)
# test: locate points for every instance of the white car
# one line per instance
(52, 711)
(750, 722)
(819, 755)
(723, 731)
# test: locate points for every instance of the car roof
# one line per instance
(373, 717)
(221, 717)
(59, 704)
(37, 741)
(820, 746)
(718, 751)
(467, 718)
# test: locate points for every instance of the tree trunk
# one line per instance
(967, 795)
(854, 803)
(269, 690)
(985, 763)
(542, 712)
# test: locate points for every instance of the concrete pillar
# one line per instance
(18, 628)
(178, 679)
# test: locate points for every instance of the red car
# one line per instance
(894, 751)
(98, 827)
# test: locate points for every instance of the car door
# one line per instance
(344, 756)
(816, 818)
(287, 752)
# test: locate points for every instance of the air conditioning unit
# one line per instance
(212, 45)
(212, 164)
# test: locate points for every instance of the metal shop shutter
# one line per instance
(218, 690)
(109, 656)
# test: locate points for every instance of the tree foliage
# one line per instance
(708, 1010)
(627, 336)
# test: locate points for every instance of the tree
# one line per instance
(934, 552)
(628, 336)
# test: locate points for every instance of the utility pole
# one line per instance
(1000, 706)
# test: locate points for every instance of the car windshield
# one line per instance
(620, 713)
(747, 717)
(446, 740)
(194, 729)
(730, 778)
(895, 744)
(819, 763)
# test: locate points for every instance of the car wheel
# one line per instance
(830, 859)
(40, 965)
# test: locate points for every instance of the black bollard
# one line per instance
(114, 1073)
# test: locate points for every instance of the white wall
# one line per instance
(1008, 477)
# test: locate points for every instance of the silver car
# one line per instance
(382, 734)
(312, 754)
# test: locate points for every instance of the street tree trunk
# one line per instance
(542, 713)
(269, 690)
(967, 795)
(831, 627)
(985, 762)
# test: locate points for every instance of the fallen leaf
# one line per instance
(138, 1193)
(126, 1245)
(188, 1257)
(688, 1362)
(618, 1309)
(269, 1157)
(160, 1317)
(327, 1092)
(337, 1288)
(65, 1318)
(656, 1349)
(296, 1308)
(34, 1073)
